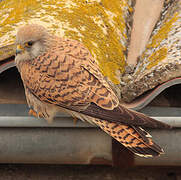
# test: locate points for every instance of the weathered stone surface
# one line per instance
(161, 59)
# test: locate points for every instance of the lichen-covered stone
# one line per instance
(161, 59)
(103, 26)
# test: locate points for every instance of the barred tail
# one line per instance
(134, 138)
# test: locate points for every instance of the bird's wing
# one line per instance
(62, 76)
(66, 76)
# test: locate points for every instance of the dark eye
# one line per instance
(29, 43)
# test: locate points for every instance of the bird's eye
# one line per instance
(29, 44)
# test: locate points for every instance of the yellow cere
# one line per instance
(99, 24)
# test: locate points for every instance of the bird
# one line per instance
(61, 75)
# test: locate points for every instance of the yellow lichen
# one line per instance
(99, 24)
(163, 32)
(156, 57)
(156, 49)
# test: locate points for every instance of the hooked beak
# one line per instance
(19, 49)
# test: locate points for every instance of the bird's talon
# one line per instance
(40, 115)
(32, 113)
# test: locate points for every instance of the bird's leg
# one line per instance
(75, 119)
(35, 114)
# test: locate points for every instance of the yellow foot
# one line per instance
(32, 113)
(35, 114)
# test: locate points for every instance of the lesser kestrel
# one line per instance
(61, 75)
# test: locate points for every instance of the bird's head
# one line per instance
(31, 41)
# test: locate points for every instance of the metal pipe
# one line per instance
(19, 121)
(81, 146)
(55, 146)
(16, 116)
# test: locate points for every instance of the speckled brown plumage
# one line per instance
(65, 77)
(66, 74)
(134, 138)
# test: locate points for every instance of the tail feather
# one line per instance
(123, 115)
(134, 138)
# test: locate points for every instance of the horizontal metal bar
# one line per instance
(16, 116)
(162, 111)
(55, 145)
(173, 121)
(79, 146)
(19, 121)
(22, 110)
(25, 139)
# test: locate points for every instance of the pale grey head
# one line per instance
(31, 41)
